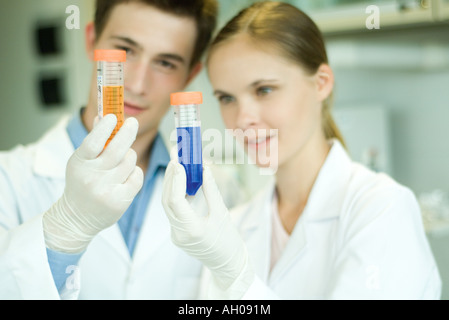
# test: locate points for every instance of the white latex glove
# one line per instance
(212, 238)
(100, 186)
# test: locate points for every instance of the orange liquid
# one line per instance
(113, 102)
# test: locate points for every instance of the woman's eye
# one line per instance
(225, 99)
(262, 91)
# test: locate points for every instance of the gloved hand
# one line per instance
(212, 239)
(100, 186)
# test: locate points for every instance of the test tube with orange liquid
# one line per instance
(110, 85)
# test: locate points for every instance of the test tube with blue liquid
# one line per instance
(188, 126)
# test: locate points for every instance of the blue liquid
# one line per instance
(190, 156)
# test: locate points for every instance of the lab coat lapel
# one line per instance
(292, 251)
(155, 231)
(324, 203)
(53, 151)
(256, 229)
(328, 192)
(114, 238)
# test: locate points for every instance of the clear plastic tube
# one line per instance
(188, 126)
(110, 82)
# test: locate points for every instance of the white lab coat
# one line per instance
(32, 178)
(360, 236)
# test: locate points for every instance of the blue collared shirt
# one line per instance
(131, 222)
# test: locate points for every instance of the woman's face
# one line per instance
(270, 98)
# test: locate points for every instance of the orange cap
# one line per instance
(110, 55)
(180, 98)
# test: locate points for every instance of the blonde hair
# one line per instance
(294, 34)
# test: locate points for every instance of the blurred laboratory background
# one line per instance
(391, 96)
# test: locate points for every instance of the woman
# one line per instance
(328, 228)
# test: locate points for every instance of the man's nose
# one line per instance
(136, 77)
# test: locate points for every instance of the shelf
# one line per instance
(334, 17)
(401, 56)
(441, 10)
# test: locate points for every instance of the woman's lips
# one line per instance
(132, 110)
(258, 143)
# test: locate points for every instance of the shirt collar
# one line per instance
(76, 129)
(159, 156)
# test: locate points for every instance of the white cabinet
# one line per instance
(441, 10)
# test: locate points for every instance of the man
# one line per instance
(59, 207)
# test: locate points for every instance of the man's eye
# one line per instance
(127, 49)
(262, 91)
(167, 65)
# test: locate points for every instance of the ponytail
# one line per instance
(330, 128)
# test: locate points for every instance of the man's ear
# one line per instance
(90, 40)
(194, 72)
(325, 81)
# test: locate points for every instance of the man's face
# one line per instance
(159, 50)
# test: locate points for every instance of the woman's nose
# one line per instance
(248, 115)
